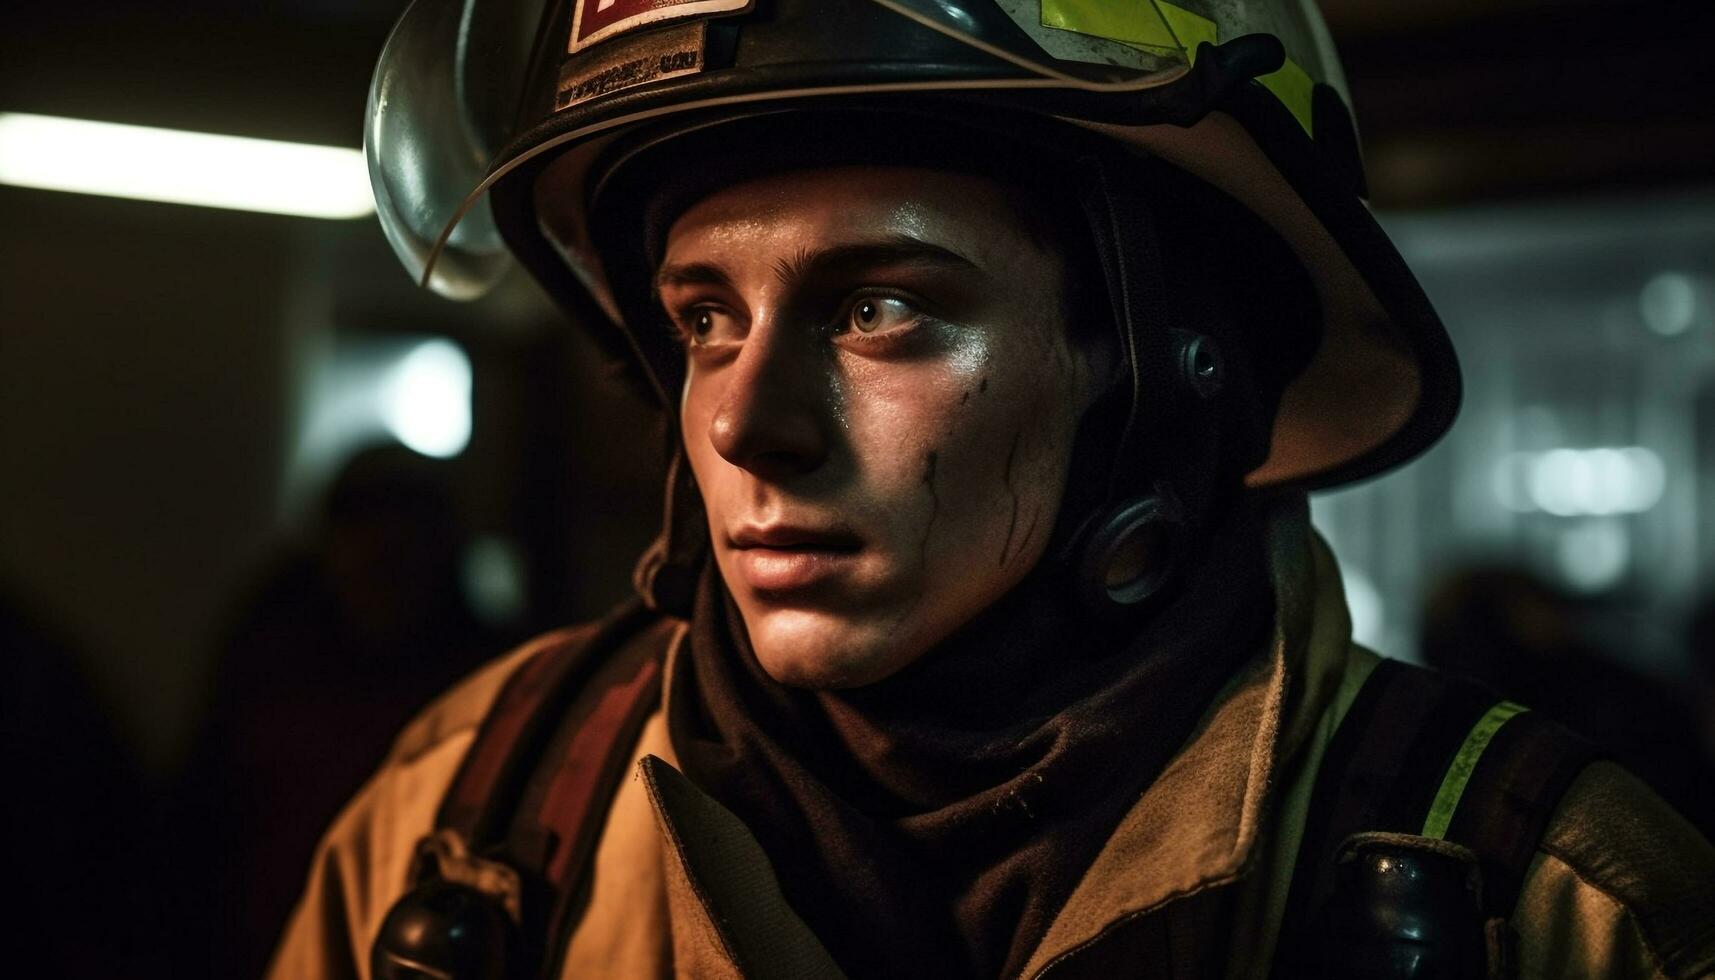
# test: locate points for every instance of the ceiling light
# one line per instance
(139, 162)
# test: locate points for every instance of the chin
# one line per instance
(824, 651)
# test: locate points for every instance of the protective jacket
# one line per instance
(1619, 886)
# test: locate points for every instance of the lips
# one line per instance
(783, 558)
(787, 537)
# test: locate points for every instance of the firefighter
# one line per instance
(986, 635)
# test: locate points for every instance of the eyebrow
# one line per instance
(807, 264)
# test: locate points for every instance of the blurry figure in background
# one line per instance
(73, 812)
(334, 651)
(1518, 634)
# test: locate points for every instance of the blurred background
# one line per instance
(260, 498)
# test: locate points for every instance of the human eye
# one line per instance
(873, 315)
(705, 325)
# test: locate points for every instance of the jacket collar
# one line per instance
(1194, 828)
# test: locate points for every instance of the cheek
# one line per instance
(1016, 451)
(903, 424)
(969, 459)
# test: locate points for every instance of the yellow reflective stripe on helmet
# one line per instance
(1463, 764)
(1161, 27)
(1293, 86)
(1189, 29)
(1136, 24)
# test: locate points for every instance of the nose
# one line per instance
(772, 411)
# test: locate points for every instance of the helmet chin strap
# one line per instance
(666, 575)
(1129, 543)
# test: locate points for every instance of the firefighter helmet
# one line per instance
(474, 100)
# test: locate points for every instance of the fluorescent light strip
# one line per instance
(181, 167)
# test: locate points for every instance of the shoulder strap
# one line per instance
(554, 835)
(1511, 790)
(1426, 755)
(534, 788)
(485, 790)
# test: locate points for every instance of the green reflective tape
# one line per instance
(1189, 28)
(1464, 763)
(1293, 86)
(1129, 23)
(1166, 29)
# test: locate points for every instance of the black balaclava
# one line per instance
(933, 823)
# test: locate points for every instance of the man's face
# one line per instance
(879, 407)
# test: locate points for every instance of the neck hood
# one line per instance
(954, 805)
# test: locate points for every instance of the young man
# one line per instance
(986, 634)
